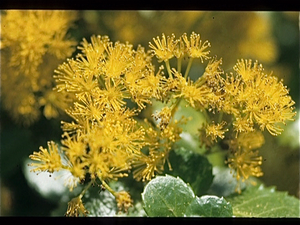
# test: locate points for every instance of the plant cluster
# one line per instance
(108, 137)
(108, 90)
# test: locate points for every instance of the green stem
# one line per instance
(107, 187)
(188, 67)
(206, 116)
(168, 68)
(179, 60)
(200, 82)
(85, 189)
(174, 107)
(220, 117)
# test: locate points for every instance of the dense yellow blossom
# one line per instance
(105, 138)
(257, 98)
(33, 42)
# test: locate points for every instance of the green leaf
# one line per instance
(193, 168)
(224, 183)
(209, 206)
(264, 202)
(167, 196)
(190, 142)
(99, 203)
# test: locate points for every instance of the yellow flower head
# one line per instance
(77, 168)
(124, 201)
(50, 159)
(212, 74)
(179, 51)
(213, 131)
(93, 52)
(256, 98)
(241, 125)
(164, 49)
(246, 70)
(164, 116)
(194, 46)
(119, 58)
(197, 96)
(76, 208)
(74, 147)
(245, 163)
(146, 167)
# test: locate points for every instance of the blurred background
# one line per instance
(270, 37)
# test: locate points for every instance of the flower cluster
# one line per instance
(110, 85)
(237, 106)
(33, 42)
(105, 139)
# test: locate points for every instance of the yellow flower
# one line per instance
(87, 109)
(77, 167)
(179, 50)
(195, 95)
(159, 144)
(243, 159)
(194, 46)
(164, 116)
(50, 159)
(243, 125)
(112, 96)
(213, 131)
(74, 147)
(92, 53)
(32, 43)
(245, 163)
(212, 75)
(124, 201)
(107, 165)
(119, 58)
(70, 79)
(257, 98)
(164, 49)
(245, 69)
(146, 166)
(248, 140)
(76, 208)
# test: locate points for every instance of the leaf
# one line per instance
(190, 142)
(167, 196)
(209, 206)
(194, 168)
(224, 183)
(99, 203)
(264, 202)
